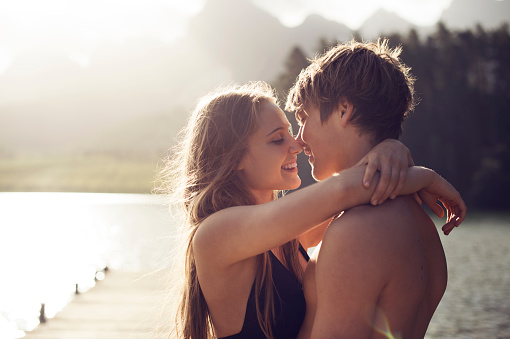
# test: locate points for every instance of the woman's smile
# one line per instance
(290, 166)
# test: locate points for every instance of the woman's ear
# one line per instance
(242, 164)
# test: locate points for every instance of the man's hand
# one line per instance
(392, 159)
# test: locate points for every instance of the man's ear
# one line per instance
(345, 108)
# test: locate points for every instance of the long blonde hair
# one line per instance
(202, 173)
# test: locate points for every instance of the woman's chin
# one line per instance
(295, 185)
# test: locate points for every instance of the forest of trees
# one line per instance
(461, 126)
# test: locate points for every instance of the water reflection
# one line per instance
(49, 242)
(476, 303)
(55, 244)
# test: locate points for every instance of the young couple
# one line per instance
(380, 271)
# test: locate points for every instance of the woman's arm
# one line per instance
(237, 233)
(392, 159)
(241, 232)
(435, 189)
(441, 190)
(432, 188)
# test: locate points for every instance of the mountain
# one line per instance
(383, 23)
(241, 37)
(464, 14)
(50, 102)
(316, 27)
(253, 44)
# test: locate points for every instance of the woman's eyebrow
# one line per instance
(275, 130)
(278, 128)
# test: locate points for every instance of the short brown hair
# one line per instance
(370, 76)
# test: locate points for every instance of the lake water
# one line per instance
(476, 303)
(49, 242)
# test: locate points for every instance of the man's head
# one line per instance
(364, 86)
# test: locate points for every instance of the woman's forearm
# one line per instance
(417, 178)
(310, 206)
(250, 230)
(255, 229)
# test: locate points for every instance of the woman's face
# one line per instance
(271, 160)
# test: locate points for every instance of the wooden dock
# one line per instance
(123, 305)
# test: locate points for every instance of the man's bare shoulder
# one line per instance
(376, 226)
(357, 259)
(372, 258)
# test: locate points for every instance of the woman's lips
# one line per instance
(290, 166)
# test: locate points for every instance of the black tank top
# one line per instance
(289, 303)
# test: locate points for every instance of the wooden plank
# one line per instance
(123, 305)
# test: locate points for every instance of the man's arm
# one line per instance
(352, 270)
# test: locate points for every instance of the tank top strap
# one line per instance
(303, 252)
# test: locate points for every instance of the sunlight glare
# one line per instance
(97, 19)
(100, 276)
(78, 27)
(5, 59)
(48, 263)
(81, 59)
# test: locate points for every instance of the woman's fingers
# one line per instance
(390, 187)
(448, 227)
(369, 174)
(431, 201)
(456, 211)
(461, 212)
(401, 179)
(382, 185)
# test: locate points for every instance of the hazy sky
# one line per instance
(353, 13)
(77, 27)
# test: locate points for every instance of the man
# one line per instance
(380, 271)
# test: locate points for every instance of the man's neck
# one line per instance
(355, 149)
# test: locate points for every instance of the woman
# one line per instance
(244, 261)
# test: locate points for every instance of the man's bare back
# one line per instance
(379, 270)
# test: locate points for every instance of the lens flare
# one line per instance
(386, 331)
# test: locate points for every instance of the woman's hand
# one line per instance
(392, 159)
(441, 190)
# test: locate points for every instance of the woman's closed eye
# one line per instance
(278, 141)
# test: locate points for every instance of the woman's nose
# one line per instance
(296, 147)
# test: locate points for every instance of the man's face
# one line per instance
(320, 141)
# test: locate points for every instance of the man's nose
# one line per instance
(299, 137)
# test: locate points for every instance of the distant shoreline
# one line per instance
(96, 173)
